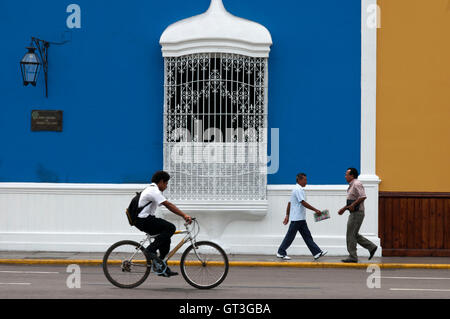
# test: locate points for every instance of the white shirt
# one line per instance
(153, 194)
(298, 211)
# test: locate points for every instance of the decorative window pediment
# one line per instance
(216, 31)
(215, 107)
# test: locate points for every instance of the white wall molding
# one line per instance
(215, 46)
(324, 190)
(90, 217)
(70, 188)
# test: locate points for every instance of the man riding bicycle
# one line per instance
(151, 198)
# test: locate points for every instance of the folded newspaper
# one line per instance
(325, 215)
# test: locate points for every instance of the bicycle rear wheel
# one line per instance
(125, 264)
(204, 265)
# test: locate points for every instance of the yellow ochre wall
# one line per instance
(413, 96)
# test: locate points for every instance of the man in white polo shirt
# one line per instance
(296, 213)
(151, 198)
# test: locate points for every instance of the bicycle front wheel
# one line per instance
(204, 265)
(125, 264)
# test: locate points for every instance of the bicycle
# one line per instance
(204, 264)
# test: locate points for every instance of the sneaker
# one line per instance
(322, 253)
(168, 273)
(284, 257)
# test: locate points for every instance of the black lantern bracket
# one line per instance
(42, 48)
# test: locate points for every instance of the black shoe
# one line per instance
(168, 273)
(372, 252)
(348, 260)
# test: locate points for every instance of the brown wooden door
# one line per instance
(414, 224)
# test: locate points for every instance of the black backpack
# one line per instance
(133, 209)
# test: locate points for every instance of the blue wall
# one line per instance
(109, 83)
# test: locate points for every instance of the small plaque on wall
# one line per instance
(46, 120)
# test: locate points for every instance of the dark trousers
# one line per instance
(153, 226)
(302, 227)
(354, 223)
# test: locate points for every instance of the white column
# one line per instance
(368, 89)
(370, 18)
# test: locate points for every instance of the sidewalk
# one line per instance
(236, 260)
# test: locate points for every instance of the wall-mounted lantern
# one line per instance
(31, 63)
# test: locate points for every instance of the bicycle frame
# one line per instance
(199, 253)
(181, 243)
(184, 240)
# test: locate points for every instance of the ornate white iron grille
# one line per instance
(215, 120)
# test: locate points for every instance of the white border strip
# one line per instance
(368, 92)
(419, 289)
(33, 188)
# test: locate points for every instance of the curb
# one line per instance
(285, 264)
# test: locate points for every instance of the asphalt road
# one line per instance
(53, 282)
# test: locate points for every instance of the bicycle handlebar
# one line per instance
(194, 230)
(193, 219)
